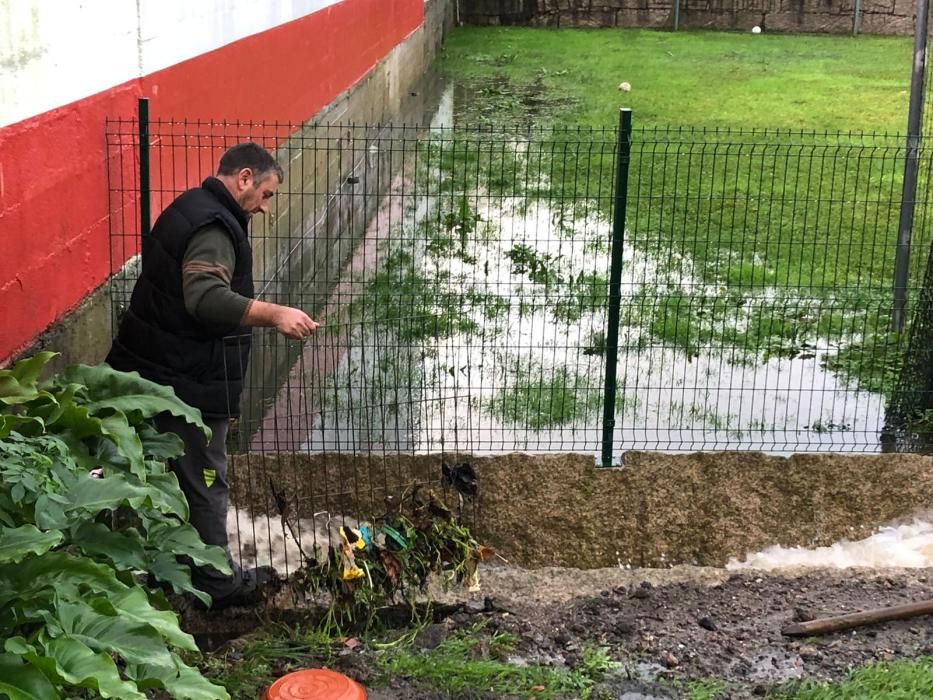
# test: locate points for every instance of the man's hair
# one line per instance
(249, 155)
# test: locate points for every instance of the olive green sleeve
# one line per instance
(206, 273)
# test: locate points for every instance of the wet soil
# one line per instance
(671, 627)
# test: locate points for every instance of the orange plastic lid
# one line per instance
(315, 684)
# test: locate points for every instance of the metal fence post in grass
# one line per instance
(911, 165)
(145, 211)
(857, 18)
(623, 156)
(676, 15)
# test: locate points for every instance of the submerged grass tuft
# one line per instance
(546, 398)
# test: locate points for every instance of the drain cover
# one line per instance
(315, 684)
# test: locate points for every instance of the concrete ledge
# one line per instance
(660, 509)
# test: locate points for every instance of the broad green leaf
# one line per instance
(182, 682)
(117, 427)
(12, 392)
(56, 571)
(182, 538)
(129, 393)
(109, 455)
(142, 406)
(18, 384)
(136, 642)
(18, 646)
(80, 614)
(170, 497)
(167, 569)
(21, 681)
(17, 543)
(50, 513)
(44, 406)
(69, 393)
(76, 664)
(124, 549)
(78, 451)
(27, 370)
(160, 446)
(26, 425)
(78, 421)
(161, 495)
(109, 493)
(134, 605)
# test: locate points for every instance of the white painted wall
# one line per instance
(175, 30)
(53, 52)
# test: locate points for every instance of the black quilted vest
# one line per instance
(158, 338)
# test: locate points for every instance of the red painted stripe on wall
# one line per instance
(290, 72)
(54, 208)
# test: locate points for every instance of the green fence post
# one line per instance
(145, 206)
(623, 156)
(911, 168)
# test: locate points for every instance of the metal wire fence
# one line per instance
(465, 281)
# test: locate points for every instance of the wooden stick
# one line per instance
(866, 617)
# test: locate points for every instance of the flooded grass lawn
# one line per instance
(757, 263)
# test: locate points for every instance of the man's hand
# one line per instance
(290, 322)
(294, 323)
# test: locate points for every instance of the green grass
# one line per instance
(468, 663)
(688, 78)
(711, 689)
(254, 663)
(541, 398)
(411, 301)
(899, 680)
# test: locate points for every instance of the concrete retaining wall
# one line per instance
(559, 510)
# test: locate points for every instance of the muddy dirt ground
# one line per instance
(672, 626)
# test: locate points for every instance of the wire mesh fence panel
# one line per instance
(453, 300)
(757, 289)
(462, 279)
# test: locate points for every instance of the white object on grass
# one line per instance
(756, 29)
(625, 87)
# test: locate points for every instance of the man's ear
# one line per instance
(245, 178)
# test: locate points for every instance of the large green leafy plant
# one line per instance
(78, 453)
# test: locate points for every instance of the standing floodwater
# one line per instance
(473, 314)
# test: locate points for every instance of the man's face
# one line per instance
(253, 196)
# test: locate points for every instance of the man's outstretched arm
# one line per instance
(206, 273)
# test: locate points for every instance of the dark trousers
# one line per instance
(202, 475)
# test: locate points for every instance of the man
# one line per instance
(187, 326)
